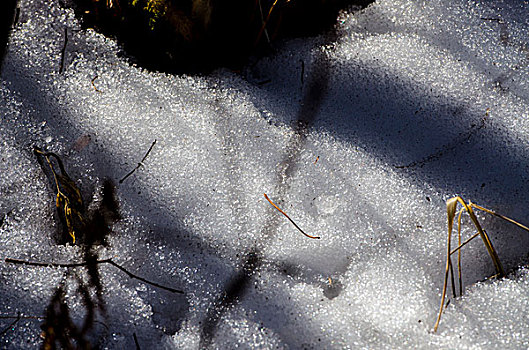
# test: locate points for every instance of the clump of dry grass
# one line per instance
(451, 207)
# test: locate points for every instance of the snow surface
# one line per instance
(407, 104)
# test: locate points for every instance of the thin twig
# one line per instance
(23, 317)
(63, 51)
(282, 212)
(139, 164)
(501, 216)
(49, 264)
(266, 81)
(93, 85)
(265, 22)
(447, 147)
(492, 19)
(131, 275)
(11, 325)
(17, 17)
(302, 72)
(17, 319)
(106, 261)
(464, 243)
(136, 341)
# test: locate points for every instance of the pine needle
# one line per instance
(288, 217)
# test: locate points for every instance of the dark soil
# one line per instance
(183, 42)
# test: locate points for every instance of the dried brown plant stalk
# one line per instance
(288, 217)
(451, 207)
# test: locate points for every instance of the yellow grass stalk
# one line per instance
(451, 209)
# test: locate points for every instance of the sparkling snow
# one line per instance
(360, 137)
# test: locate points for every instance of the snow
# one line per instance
(360, 137)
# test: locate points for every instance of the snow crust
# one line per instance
(360, 136)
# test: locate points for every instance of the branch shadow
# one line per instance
(435, 138)
(389, 124)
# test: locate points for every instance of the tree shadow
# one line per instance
(390, 125)
(95, 230)
(411, 128)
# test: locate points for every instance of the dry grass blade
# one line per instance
(69, 198)
(292, 221)
(265, 22)
(105, 261)
(139, 164)
(451, 207)
(484, 236)
(500, 216)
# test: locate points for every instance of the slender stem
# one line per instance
(459, 271)
(11, 325)
(500, 216)
(464, 243)
(139, 164)
(484, 237)
(288, 217)
(63, 51)
(451, 206)
(93, 85)
(452, 280)
(136, 341)
(265, 22)
(105, 261)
